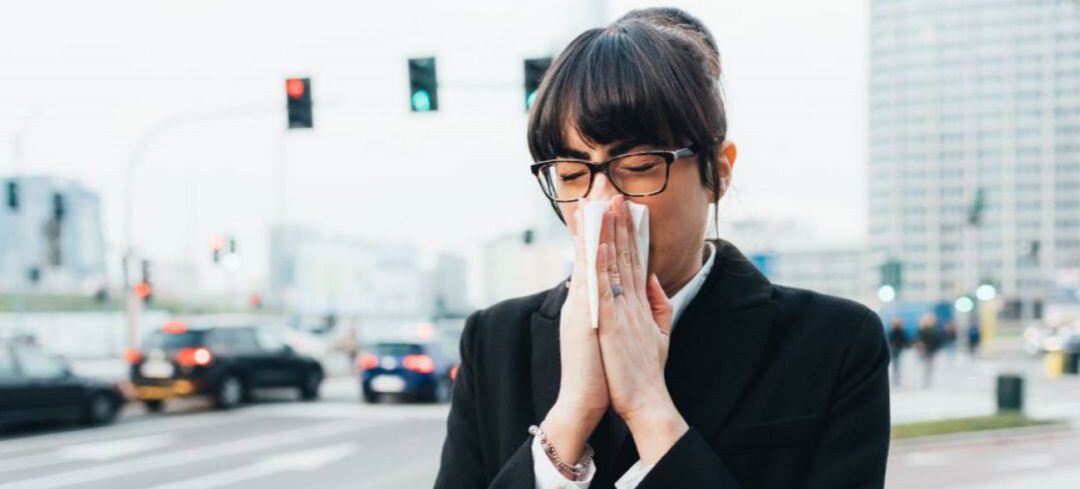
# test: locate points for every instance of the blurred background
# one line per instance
(238, 240)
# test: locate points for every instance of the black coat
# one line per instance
(781, 387)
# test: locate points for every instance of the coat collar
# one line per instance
(715, 348)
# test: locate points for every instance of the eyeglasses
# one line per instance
(635, 174)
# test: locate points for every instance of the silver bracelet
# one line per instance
(577, 470)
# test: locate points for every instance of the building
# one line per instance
(51, 238)
(449, 281)
(974, 145)
(789, 253)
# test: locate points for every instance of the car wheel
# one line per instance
(230, 392)
(309, 389)
(155, 406)
(369, 397)
(101, 409)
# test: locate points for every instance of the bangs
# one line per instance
(624, 83)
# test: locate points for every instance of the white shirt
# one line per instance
(548, 477)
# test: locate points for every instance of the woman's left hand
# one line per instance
(634, 334)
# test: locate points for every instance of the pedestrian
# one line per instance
(974, 336)
(929, 342)
(702, 373)
(897, 343)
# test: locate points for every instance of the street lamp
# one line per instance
(886, 293)
(964, 304)
(986, 292)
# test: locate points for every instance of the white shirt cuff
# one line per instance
(548, 477)
(633, 476)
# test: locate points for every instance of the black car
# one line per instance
(225, 360)
(407, 370)
(37, 387)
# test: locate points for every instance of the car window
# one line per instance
(397, 349)
(233, 340)
(172, 341)
(244, 339)
(36, 364)
(7, 364)
(269, 340)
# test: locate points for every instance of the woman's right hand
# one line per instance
(583, 393)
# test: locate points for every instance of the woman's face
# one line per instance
(677, 216)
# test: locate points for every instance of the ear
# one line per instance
(724, 167)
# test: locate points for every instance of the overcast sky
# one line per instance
(87, 79)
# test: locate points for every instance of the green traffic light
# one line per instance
(421, 101)
(529, 99)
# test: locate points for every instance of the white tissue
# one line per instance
(593, 216)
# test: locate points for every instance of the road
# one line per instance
(337, 442)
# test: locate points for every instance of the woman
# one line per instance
(701, 373)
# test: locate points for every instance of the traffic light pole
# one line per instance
(133, 306)
(21, 271)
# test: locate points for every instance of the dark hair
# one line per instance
(651, 77)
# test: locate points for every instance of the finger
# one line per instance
(639, 269)
(622, 250)
(603, 281)
(659, 304)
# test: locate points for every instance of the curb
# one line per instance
(985, 437)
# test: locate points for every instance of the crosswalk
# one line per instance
(265, 445)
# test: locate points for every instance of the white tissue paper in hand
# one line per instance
(593, 215)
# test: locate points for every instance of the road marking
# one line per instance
(144, 426)
(257, 443)
(1026, 462)
(108, 450)
(98, 452)
(355, 411)
(296, 461)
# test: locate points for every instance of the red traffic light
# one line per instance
(142, 290)
(294, 87)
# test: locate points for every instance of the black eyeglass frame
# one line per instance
(670, 157)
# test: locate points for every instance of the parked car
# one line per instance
(407, 370)
(225, 359)
(36, 386)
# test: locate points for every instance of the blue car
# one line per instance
(407, 371)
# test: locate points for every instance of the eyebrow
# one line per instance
(616, 150)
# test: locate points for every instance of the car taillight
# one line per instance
(421, 364)
(132, 356)
(194, 357)
(453, 372)
(367, 361)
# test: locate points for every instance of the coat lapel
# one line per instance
(716, 348)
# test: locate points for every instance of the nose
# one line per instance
(602, 189)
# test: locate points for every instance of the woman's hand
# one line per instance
(583, 390)
(634, 329)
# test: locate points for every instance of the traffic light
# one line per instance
(534, 73)
(891, 274)
(58, 206)
(143, 289)
(53, 228)
(423, 85)
(977, 207)
(298, 97)
(13, 195)
(216, 244)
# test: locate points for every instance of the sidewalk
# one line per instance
(963, 386)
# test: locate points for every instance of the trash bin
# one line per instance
(1010, 393)
(1054, 363)
(1072, 363)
